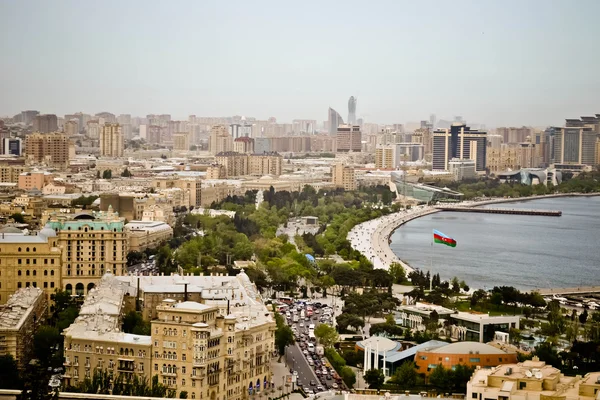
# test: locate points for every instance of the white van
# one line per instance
(311, 327)
(311, 348)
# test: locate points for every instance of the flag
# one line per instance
(439, 237)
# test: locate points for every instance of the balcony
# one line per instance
(67, 363)
(165, 373)
(201, 363)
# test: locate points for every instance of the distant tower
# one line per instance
(352, 111)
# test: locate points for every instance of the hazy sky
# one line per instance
(493, 62)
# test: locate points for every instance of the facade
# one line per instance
(211, 336)
(34, 180)
(461, 142)
(348, 138)
(462, 169)
(12, 146)
(29, 261)
(501, 159)
(385, 156)
(11, 173)
(478, 327)
(265, 164)
(236, 164)
(220, 140)
(574, 147)
(244, 145)
(181, 141)
(471, 354)
(417, 316)
(22, 314)
(147, 234)
(343, 176)
(71, 128)
(421, 192)
(91, 245)
(111, 141)
(533, 380)
(45, 123)
(51, 149)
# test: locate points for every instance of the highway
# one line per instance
(297, 361)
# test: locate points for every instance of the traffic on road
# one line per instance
(306, 358)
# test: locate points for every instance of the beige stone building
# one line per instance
(343, 176)
(181, 141)
(29, 261)
(192, 186)
(531, 380)
(385, 156)
(111, 141)
(11, 173)
(24, 311)
(211, 336)
(243, 145)
(220, 140)
(236, 164)
(215, 171)
(34, 180)
(147, 234)
(502, 159)
(265, 164)
(51, 149)
(91, 244)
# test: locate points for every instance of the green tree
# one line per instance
(346, 320)
(496, 299)
(134, 323)
(398, 273)
(126, 173)
(283, 337)
(107, 174)
(347, 376)
(9, 373)
(441, 378)
(18, 218)
(183, 394)
(406, 375)
(45, 341)
(327, 335)
(374, 378)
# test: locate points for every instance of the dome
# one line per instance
(10, 229)
(47, 232)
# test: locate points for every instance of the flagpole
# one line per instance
(431, 263)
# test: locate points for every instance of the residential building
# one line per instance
(244, 145)
(501, 159)
(343, 176)
(574, 147)
(265, 164)
(22, 314)
(527, 156)
(11, 173)
(215, 171)
(181, 141)
(220, 140)
(461, 142)
(147, 234)
(93, 129)
(348, 138)
(27, 117)
(51, 149)
(71, 128)
(211, 336)
(333, 121)
(470, 354)
(92, 244)
(153, 134)
(513, 134)
(12, 146)
(111, 141)
(190, 185)
(533, 380)
(235, 164)
(34, 180)
(108, 118)
(385, 156)
(45, 123)
(462, 169)
(598, 151)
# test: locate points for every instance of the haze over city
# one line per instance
(496, 63)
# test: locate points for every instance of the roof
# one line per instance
(467, 348)
(192, 305)
(379, 343)
(410, 352)
(18, 307)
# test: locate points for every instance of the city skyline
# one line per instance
(498, 69)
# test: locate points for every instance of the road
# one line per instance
(296, 360)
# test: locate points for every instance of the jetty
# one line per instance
(545, 213)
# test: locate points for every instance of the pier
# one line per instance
(566, 291)
(545, 213)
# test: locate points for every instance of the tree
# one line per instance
(496, 299)
(441, 378)
(126, 173)
(183, 394)
(134, 323)
(374, 378)
(583, 316)
(398, 273)
(107, 174)
(18, 218)
(348, 376)
(135, 257)
(327, 335)
(345, 320)
(46, 339)
(9, 373)
(406, 375)
(283, 337)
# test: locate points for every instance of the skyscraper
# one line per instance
(333, 121)
(459, 142)
(349, 138)
(220, 140)
(111, 141)
(352, 111)
(45, 123)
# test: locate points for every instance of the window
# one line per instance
(51, 284)
(156, 367)
(52, 273)
(474, 360)
(522, 385)
(474, 395)
(19, 261)
(19, 285)
(19, 273)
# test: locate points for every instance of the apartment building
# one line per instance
(51, 149)
(385, 156)
(22, 314)
(236, 164)
(343, 176)
(34, 180)
(348, 138)
(502, 159)
(244, 145)
(217, 346)
(270, 163)
(181, 141)
(11, 173)
(91, 245)
(220, 140)
(45, 123)
(147, 234)
(111, 141)
(29, 261)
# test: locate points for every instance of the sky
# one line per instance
(498, 63)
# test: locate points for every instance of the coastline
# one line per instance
(372, 238)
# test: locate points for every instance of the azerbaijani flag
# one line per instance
(439, 237)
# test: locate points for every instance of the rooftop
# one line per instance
(468, 348)
(18, 307)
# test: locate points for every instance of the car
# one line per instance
(328, 377)
(301, 325)
(320, 388)
(334, 385)
(305, 352)
(306, 318)
(313, 383)
(299, 383)
(295, 373)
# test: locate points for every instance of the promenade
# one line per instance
(371, 238)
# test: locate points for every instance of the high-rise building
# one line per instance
(220, 140)
(343, 176)
(93, 129)
(334, 120)
(265, 164)
(72, 128)
(153, 134)
(99, 246)
(460, 142)
(45, 123)
(28, 116)
(352, 111)
(236, 164)
(244, 145)
(12, 146)
(385, 156)
(348, 138)
(109, 118)
(51, 149)
(304, 126)
(111, 141)
(181, 141)
(124, 119)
